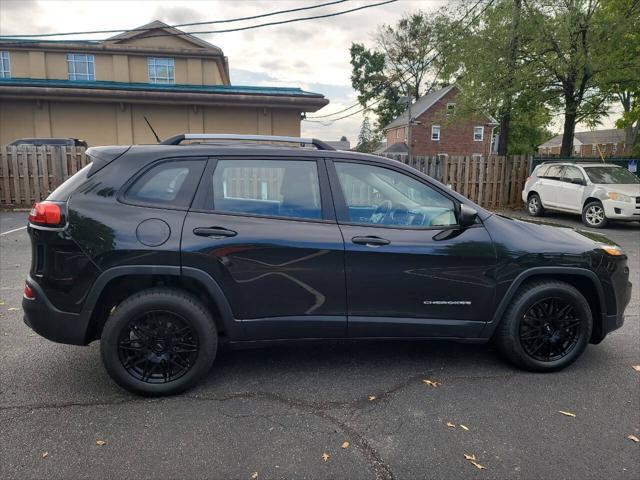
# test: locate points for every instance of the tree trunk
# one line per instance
(505, 117)
(566, 150)
(504, 131)
(629, 140)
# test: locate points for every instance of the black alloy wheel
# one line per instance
(158, 347)
(550, 329)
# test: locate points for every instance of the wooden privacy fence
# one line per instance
(492, 182)
(28, 174)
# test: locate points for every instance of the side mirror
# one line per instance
(467, 216)
(578, 181)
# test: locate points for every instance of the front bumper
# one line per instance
(53, 324)
(616, 210)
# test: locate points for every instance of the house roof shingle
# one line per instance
(610, 135)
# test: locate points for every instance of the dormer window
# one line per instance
(161, 70)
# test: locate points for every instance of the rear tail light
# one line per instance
(45, 213)
(28, 292)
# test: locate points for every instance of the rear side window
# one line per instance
(280, 188)
(554, 172)
(168, 184)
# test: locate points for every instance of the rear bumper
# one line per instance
(53, 324)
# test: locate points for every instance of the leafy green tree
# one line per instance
(620, 84)
(404, 62)
(368, 141)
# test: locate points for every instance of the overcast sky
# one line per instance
(312, 55)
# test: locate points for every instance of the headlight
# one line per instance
(620, 197)
(612, 250)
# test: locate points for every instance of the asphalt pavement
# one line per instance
(274, 412)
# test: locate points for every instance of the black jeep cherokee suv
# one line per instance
(164, 251)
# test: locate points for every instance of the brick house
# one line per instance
(435, 132)
(608, 143)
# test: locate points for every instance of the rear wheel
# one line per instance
(593, 215)
(160, 341)
(546, 327)
(534, 205)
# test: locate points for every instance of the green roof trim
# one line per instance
(159, 87)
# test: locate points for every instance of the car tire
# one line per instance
(547, 343)
(160, 341)
(534, 205)
(593, 215)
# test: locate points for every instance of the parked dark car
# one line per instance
(44, 141)
(164, 252)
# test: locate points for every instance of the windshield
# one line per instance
(611, 175)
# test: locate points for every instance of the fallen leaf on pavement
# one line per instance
(636, 368)
(464, 427)
(12, 309)
(449, 424)
(431, 383)
(254, 476)
(634, 438)
(100, 442)
(567, 414)
(45, 454)
(372, 398)
(325, 456)
(345, 445)
(472, 459)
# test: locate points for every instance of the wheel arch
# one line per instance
(589, 200)
(585, 281)
(116, 284)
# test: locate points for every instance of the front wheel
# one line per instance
(546, 327)
(593, 215)
(158, 342)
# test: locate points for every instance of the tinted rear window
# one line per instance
(170, 184)
(64, 191)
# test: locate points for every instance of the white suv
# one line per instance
(599, 191)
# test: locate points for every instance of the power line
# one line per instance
(231, 20)
(269, 24)
(336, 113)
(330, 122)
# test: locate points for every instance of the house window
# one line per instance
(478, 134)
(435, 132)
(161, 70)
(5, 68)
(81, 66)
(603, 148)
(406, 136)
(614, 148)
(398, 134)
(450, 108)
(593, 148)
(476, 156)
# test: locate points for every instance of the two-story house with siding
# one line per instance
(100, 91)
(435, 131)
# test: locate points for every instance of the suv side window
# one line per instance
(573, 175)
(279, 188)
(167, 184)
(554, 172)
(381, 196)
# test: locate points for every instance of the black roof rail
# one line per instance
(178, 139)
